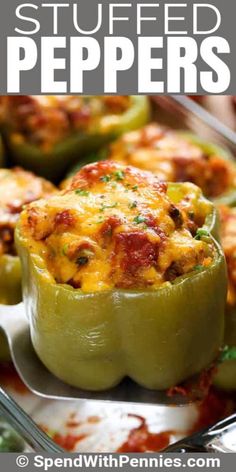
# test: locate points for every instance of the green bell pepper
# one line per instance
(54, 163)
(10, 280)
(156, 337)
(225, 377)
(10, 268)
(10, 292)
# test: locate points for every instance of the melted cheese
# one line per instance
(174, 158)
(17, 188)
(116, 227)
(46, 120)
(228, 239)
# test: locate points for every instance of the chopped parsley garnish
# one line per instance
(119, 175)
(100, 220)
(133, 205)
(82, 192)
(104, 206)
(135, 187)
(105, 178)
(65, 249)
(139, 219)
(228, 353)
(201, 232)
(198, 267)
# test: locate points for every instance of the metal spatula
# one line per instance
(220, 437)
(39, 380)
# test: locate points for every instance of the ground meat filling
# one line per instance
(46, 120)
(17, 188)
(174, 158)
(228, 239)
(116, 226)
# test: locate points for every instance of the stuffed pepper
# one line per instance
(226, 371)
(122, 277)
(17, 188)
(47, 134)
(175, 156)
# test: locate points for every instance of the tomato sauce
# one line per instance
(140, 439)
(214, 407)
(10, 379)
(68, 441)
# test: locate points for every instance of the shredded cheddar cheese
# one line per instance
(17, 188)
(228, 239)
(45, 121)
(174, 158)
(116, 226)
